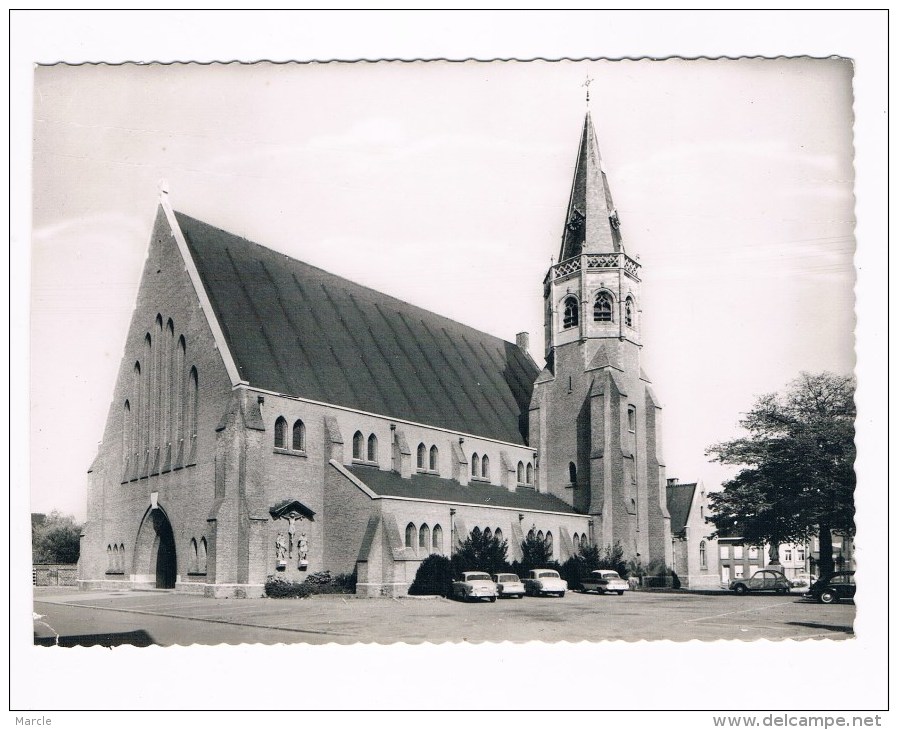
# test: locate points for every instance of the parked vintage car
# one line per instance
(545, 582)
(474, 585)
(771, 581)
(801, 582)
(605, 581)
(508, 585)
(834, 588)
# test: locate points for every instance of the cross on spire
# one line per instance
(586, 84)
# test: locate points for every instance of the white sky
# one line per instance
(446, 185)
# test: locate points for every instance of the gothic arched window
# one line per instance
(422, 456)
(576, 542)
(434, 458)
(410, 534)
(529, 473)
(498, 534)
(601, 311)
(572, 472)
(550, 543)
(628, 312)
(299, 436)
(485, 467)
(280, 433)
(437, 538)
(475, 466)
(424, 537)
(358, 442)
(703, 555)
(372, 448)
(571, 313)
(520, 472)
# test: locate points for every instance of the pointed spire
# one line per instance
(591, 225)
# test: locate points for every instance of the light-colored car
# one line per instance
(509, 585)
(801, 582)
(545, 582)
(473, 585)
(605, 581)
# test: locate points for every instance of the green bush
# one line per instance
(434, 577)
(277, 587)
(314, 585)
(481, 552)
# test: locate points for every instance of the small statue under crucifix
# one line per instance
(586, 84)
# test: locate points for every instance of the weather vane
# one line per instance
(586, 84)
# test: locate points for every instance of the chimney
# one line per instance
(672, 482)
(522, 340)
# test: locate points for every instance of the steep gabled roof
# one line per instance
(295, 329)
(679, 502)
(591, 225)
(427, 486)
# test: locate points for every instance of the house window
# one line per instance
(800, 554)
(434, 458)
(358, 443)
(737, 552)
(703, 555)
(410, 534)
(529, 473)
(738, 571)
(372, 448)
(299, 436)
(422, 457)
(753, 553)
(520, 472)
(628, 312)
(724, 551)
(571, 313)
(601, 311)
(485, 467)
(475, 466)
(787, 555)
(424, 537)
(280, 433)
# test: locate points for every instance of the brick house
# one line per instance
(270, 417)
(694, 554)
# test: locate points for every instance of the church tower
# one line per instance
(594, 419)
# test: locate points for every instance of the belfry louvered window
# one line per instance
(571, 313)
(601, 311)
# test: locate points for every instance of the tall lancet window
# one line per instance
(601, 311)
(571, 313)
(628, 312)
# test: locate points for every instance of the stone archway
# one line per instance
(155, 555)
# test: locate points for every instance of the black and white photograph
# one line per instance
(450, 360)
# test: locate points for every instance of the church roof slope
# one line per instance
(295, 329)
(427, 486)
(679, 501)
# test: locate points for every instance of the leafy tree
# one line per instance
(480, 551)
(536, 552)
(576, 569)
(798, 467)
(55, 538)
(434, 577)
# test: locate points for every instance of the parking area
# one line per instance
(166, 618)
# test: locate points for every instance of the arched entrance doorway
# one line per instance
(164, 546)
(155, 558)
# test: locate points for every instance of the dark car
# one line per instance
(833, 588)
(764, 580)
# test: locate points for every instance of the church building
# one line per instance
(271, 418)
